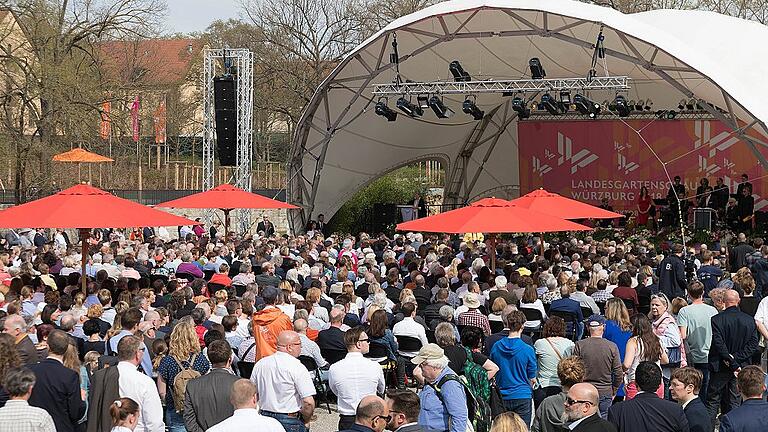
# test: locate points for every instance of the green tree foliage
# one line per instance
(397, 187)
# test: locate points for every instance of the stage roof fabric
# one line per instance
(341, 144)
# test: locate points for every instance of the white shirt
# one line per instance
(242, 327)
(409, 327)
(282, 382)
(248, 419)
(353, 378)
(139, 387)
(762, 312)
(573, 425)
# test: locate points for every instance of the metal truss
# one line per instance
(242, 61)
(503, 86)
(610, 115)
(308, 155)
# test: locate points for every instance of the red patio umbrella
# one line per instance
(226, 198)
(553, 204)
(84, 207)
(491, 215)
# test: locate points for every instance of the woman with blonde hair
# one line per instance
(618, 329)
(356, 303)
(508, 422)
(183, 353)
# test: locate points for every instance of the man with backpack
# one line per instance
(443, 398)
(517, 368)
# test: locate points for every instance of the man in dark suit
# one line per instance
(207, 399)
(331, 340)
(581, 409)
(646, 411)
(752, 415)
(422, 294)
(734, 340)
(16, 326)
(404, 406)
(684, 387)
(58, 387)
(266, 226)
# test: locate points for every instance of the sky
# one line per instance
(186, 16)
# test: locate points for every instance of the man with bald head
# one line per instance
(246, 417)
(371, 415)
(285, 387)
(582, 410)
(734, 341)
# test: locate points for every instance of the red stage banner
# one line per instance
(159, 122)
(591, 160)
(135, 119)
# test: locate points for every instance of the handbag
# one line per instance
(675, 358)
(495, 402)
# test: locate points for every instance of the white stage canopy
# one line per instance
(341, 145)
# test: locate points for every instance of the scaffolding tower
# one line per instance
(240, 62)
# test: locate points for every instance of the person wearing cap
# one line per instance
(473, 317)
(605, 371)
(268, 323)
(447, 412)
(517, 368)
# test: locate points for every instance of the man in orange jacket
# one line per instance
(268, 323)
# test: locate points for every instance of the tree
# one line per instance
(54, 80)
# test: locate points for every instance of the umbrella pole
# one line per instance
(226, 222)
(492, 251)
(84, 234)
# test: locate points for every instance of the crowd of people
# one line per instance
(408, 334)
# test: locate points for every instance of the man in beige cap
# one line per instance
(443, 401)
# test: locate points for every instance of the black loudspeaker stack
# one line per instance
(225, 106)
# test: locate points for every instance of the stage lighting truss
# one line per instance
(575, 85)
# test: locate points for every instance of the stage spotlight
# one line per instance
(471, 108)
(639, 105)
(537, 71)
(586, 106)
(409, 107)
(518, 104)
(648, 105)
(551, 105)
(681, 104)
(621, 106)
(565, 100)
(671, 114)
(383, 110)
(423, 101)
(691, 105)
(459, 74)
(437, 105)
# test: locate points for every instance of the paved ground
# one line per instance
(325, 422)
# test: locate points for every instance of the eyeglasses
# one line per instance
(385, 418)
(569, 401)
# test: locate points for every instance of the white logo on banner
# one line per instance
(628, 167)
(707, 168)
(539, 168)
(581, 159)
(720, 142)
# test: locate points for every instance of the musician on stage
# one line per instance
(746, 209)
(702, 193)
(720, 195)
(744, 184)
(676, 198)
(420, 205)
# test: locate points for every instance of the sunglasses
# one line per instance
(569, 401)
(385, 418)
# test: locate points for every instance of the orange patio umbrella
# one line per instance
(226, 198)
(79, 155)
(553, 204)
(85, 207)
